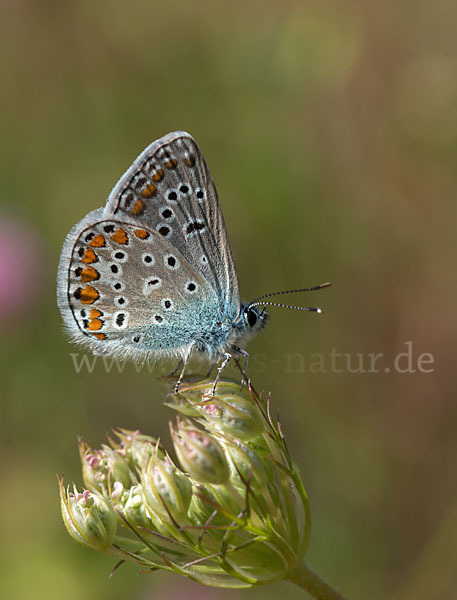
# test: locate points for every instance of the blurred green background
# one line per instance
(331, 131)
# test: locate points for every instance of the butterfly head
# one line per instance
(255, 316)
(254, 319)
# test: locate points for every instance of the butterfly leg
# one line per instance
(245, 354)
(184, 360)
(181, 375)
(224, 363)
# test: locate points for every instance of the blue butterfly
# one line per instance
(152, 273)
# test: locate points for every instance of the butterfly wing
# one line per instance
(126, 290)
(169, 189)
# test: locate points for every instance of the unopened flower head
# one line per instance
(234, 515)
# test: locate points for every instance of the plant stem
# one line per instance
(310, 581)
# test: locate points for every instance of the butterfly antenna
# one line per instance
(257, 301)
(311, 308)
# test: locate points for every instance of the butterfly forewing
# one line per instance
(129, 291)
(170, 190)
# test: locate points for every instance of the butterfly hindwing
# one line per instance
(125, 290)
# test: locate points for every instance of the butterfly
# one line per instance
(152, 275)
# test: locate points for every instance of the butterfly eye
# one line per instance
(251, 317)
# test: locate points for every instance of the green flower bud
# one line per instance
(230, 411)
(204, 501)
(101, 468)
(233, 415)
(182, 403)
(118, 468)
(128, 504)
(167, 490)
(88, 517)
(246, 466)
(200, 454)
(94, 467)
(135, 447)
(134, 508)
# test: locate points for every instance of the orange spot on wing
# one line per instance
(171, 163)
(149, 190)
(189, 161)
(94, 313)
(141, 233)
(120, 236)
(89, 274)
(158, 175)
(89, 256)
(95, 324)
(100, 336)
(97, 242)
(88, 295)
(138, 208)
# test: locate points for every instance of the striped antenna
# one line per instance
(258, 300)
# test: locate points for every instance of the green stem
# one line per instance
(310, 581)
